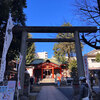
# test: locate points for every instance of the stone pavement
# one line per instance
(50, 93)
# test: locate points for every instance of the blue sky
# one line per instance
(51, 13)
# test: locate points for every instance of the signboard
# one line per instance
(3, 90)
(11, 86)
(7, 92)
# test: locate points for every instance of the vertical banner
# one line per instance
(87, 73)
(20, 61)
(18, 80)
(86, 69)
(7, 42)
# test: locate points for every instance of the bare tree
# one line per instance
(89, 10)
(98, 1)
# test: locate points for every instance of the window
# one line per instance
(93, 60)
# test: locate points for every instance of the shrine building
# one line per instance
(41, 69)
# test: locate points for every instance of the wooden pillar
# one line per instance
(33, 71)
(60, 71)
(41, 73)
(52, 72)
(23, 53)
(80, 64)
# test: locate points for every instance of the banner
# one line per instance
(18, 82)
(9, 34)
(7, 42)
(87, 75)
(86, 69)
(20, 61)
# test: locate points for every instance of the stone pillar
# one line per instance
(80, 64)
(22, 68)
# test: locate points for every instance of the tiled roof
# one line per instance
(94, 68)
(92, 53)
(55, 61)
(38, 61)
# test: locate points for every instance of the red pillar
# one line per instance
(41, 73)
(60, 71)
(52, 72)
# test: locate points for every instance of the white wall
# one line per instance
(92, 64)
(30, 71)
(43, 55)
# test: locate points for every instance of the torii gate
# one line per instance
(53, 29)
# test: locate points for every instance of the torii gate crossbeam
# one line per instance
(55, 29)
(50, 40)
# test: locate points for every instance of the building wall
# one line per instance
(43, 55)
(92, 63)
(91, 57)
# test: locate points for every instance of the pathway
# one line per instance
(50, 93)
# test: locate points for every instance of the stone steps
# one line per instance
(47, 80)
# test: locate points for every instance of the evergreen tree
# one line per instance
(16, 8)
(30, 51)
(98, 57)
(72, 64)
(63, 49)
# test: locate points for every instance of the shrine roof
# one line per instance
(39, 61)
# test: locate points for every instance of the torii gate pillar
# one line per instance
(23, 52)
(79, 57)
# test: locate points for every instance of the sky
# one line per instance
(51, 13)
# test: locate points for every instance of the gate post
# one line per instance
(23, 53)
(80, 65)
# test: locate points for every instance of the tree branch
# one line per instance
(91, 15)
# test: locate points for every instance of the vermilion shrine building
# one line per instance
(46, 69)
